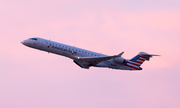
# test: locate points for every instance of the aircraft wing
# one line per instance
(95, 60)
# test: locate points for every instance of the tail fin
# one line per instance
(137, 61)
(140, 58)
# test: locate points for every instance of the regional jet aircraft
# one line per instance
(85, 58)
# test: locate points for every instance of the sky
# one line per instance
(30, 78)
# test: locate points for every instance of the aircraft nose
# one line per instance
(25, 42)
(22, 42)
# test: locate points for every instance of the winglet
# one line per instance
(120, 54)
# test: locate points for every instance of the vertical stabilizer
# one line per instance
(138, 60)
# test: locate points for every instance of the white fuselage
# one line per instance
(70, 52)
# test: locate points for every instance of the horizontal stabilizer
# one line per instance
(147, 55)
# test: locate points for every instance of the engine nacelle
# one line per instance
(120, 60)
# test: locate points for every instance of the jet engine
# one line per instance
(120, 60)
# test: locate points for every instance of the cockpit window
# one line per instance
(33, 38)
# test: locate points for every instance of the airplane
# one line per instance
(85, 59)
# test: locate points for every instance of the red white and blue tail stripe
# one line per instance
(137, 61)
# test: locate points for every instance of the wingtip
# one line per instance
(121, 53)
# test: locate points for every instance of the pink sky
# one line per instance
(34, 79)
